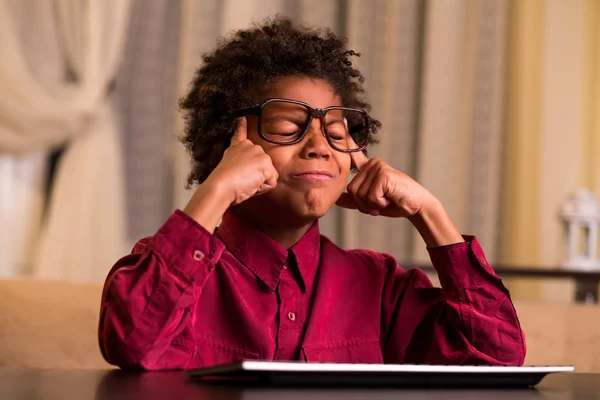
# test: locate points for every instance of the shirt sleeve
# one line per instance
(150, 297)
(469, 321)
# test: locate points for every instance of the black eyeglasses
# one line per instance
(284, 121)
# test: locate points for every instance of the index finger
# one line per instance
(358, 157)
(241, 131)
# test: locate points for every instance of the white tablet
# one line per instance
(318, 374)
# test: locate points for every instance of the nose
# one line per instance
(315, 143)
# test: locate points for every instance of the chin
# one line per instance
(314, 208)
(311, 214)
(299, 207)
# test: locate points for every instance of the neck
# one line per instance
(286, 236)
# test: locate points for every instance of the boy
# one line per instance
(275, 122)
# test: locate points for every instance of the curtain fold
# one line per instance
(21, 205)
(199, 28)
(387, 34)
(461, 114)
(37, 115)
(82, 234)
(550, 132)
(591, 123)
(23, 176)
(145, 95)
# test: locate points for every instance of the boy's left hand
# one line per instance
(378, 189)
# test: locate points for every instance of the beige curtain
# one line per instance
(553, 134)
(145, 97)
(199, 26)
(387, 34)
(21, 204)
(591, 97)
(461, 114)
(83, 231)
(434, 75)
(22, 176)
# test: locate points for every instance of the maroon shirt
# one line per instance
(186, 299)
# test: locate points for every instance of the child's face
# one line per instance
(307, 196)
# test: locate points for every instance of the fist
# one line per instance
(378, 189)
(245, 169)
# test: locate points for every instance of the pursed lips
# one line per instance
(313, 175)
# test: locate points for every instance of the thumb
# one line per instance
(241, 131)
(346, 200)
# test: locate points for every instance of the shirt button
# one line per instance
(482, 260)
(198, 255)
(291, 316)
(284, 266)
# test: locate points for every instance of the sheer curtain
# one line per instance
(22, 176)
(82, 231)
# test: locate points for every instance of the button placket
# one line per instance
(289, 333)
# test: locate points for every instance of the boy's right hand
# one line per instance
(245, 169)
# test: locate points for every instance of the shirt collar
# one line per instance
(264, 256)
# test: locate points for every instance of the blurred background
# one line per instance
(493, 105)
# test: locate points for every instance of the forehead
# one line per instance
(316, 92)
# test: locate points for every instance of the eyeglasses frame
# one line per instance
(314, 113)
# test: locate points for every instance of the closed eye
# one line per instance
(286, 134)
(336, 130)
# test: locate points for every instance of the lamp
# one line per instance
(581, 217)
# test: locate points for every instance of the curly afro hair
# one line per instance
(238, 72)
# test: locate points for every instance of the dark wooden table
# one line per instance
(115, 385)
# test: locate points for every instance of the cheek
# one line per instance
(344, 164)
(281, 156)
(274, 151)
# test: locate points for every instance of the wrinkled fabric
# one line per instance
(185, 298)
